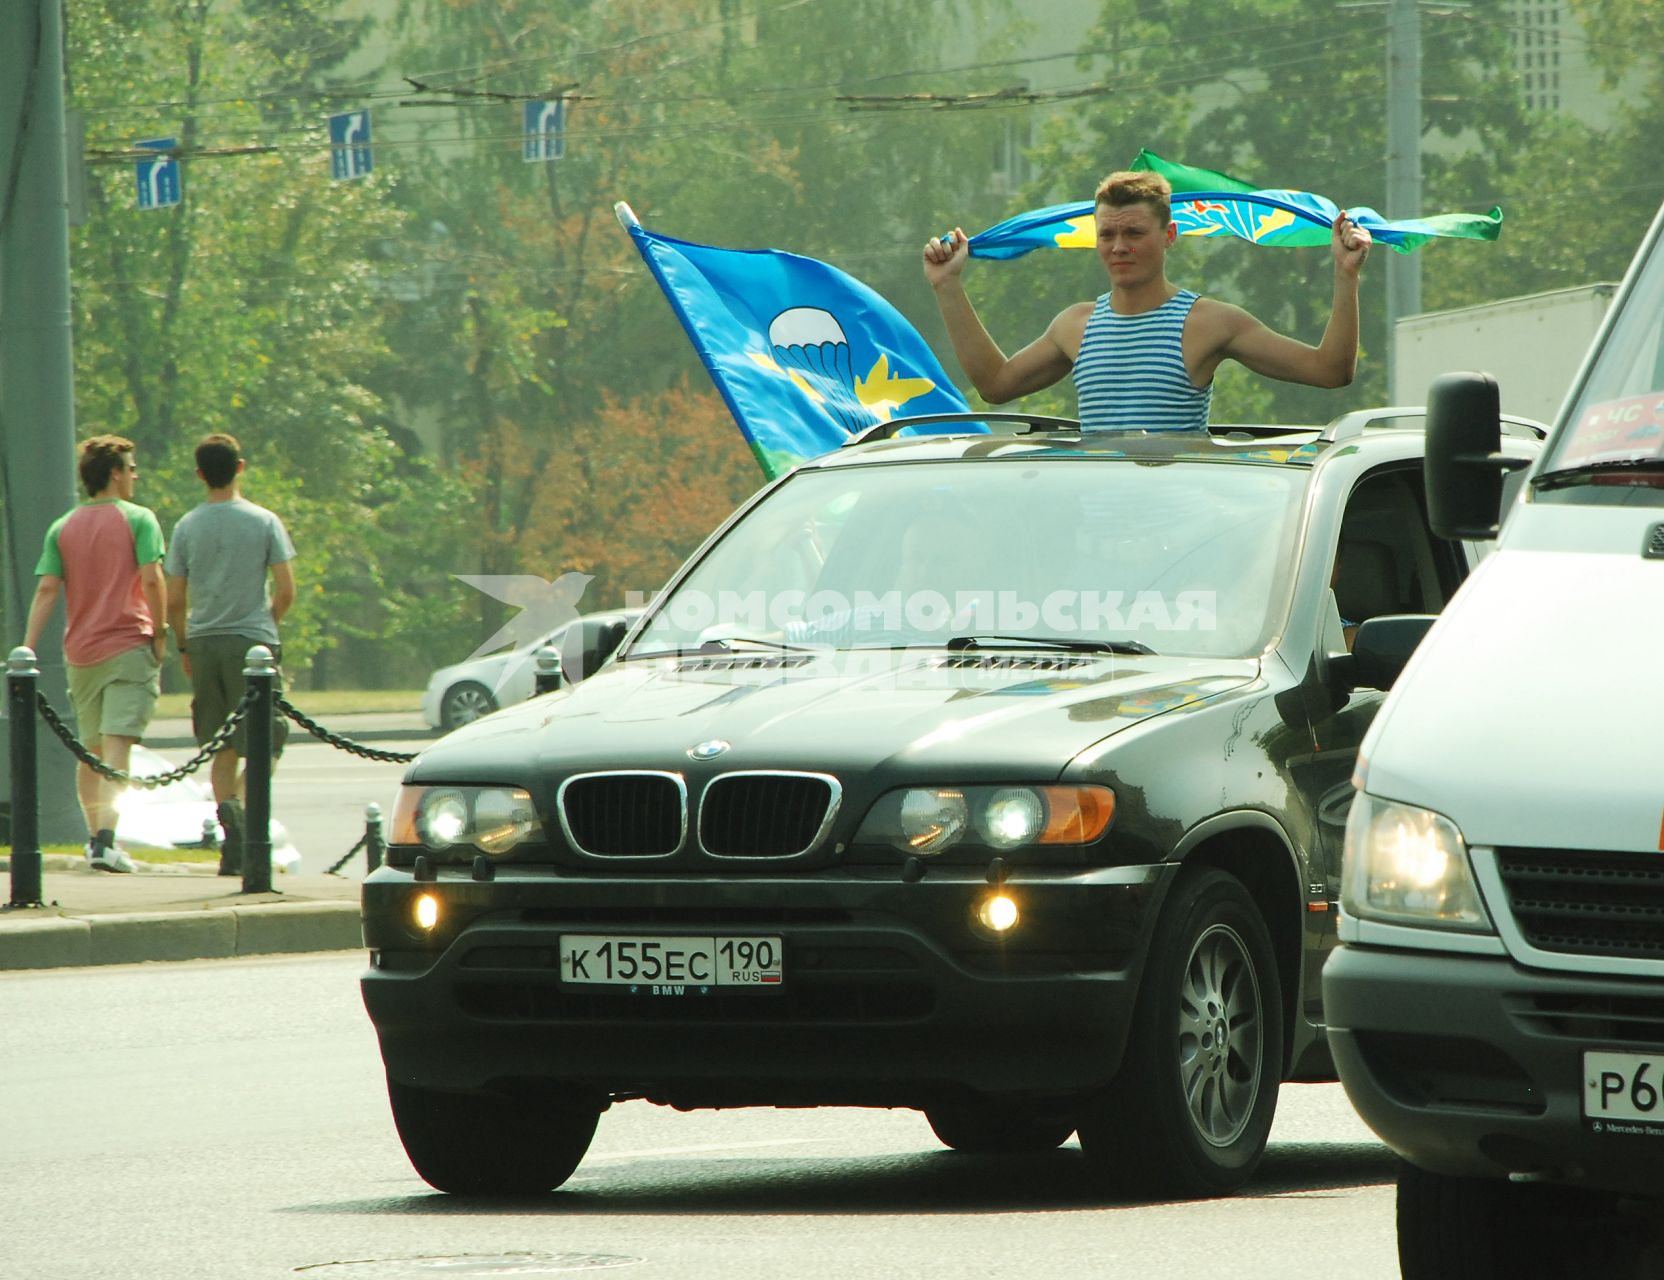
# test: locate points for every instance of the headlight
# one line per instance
(931, 820)
(1405, 865)
(491, 819)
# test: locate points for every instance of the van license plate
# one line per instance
(1623, 1086)
(669, 965)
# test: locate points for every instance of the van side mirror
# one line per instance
(1464, 463)
(1383, 645)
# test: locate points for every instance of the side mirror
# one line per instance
(1382, 646)
(586, 646)
(1464, 465)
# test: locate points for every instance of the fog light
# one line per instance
(998, 913)
(427, 911)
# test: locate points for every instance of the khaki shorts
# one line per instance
(114, 698)
(218, 685)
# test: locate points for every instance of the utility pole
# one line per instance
(1403, 165)
(37, 415)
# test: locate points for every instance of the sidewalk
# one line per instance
(96, 917)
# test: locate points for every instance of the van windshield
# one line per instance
(1616, 426)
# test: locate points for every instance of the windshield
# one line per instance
(1181, 558)
(1618, 418)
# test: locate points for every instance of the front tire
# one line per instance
(988, 1127)
(1189, 1112)
(490, 1143)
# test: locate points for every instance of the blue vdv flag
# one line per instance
(803, 354)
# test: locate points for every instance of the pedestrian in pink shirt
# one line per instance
(106, 558)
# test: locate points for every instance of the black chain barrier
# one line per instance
(336, 740)
(26, 855)
(347, 856)
(211, 748)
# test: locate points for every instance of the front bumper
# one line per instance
(890, 995)
(1471, 1066)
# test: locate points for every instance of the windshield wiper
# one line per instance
(1589, 470)
(724, 644)
(1049, 642)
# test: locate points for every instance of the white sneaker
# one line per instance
(113, 859)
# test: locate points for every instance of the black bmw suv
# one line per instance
(1001, 775)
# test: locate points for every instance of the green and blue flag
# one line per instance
(1208, 203)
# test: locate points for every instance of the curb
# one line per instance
(265, 928)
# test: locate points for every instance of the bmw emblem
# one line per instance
(708, 750)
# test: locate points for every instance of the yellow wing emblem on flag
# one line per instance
(1081, 233)
(1276, 220)
(884, 393)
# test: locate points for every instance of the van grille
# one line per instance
(764, 815)
(624, 815)
(1654, 550)
(1587, 903)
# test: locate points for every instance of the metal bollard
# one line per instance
(260, 672)
(375, 843)
(21, 677)
(548, 669)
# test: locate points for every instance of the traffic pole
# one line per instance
(375, 842)
(21, 674)
(547, 670)
(261, 673)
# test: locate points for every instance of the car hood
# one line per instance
(981, 715)
(1529, 715)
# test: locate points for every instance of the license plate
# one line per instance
(1624, 1087)
(670, 966)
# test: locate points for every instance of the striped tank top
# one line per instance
(1130, 372)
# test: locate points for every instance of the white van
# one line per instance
(1496, 1010)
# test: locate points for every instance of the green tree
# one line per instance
(538, 320)
(254, 307)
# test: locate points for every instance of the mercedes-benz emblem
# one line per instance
(708, 750)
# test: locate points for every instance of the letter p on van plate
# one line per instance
(1623, 1086)
(644, 961)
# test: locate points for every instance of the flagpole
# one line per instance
(626, 216)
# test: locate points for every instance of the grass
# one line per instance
(142, 855)
(315, 702)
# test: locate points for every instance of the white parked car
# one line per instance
(178, 815)
(462, 693)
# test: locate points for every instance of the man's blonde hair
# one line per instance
(1127, 187)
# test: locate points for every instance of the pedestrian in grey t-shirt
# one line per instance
(219, 604)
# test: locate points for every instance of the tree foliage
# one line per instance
(460, 366)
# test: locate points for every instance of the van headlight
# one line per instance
(493, 820)
(1405, 865)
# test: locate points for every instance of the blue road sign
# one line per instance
(349, 145)
(160, 185)
(544, 137)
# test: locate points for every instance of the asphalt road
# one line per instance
(226, 1119)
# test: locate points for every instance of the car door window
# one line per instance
(1388, 560)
